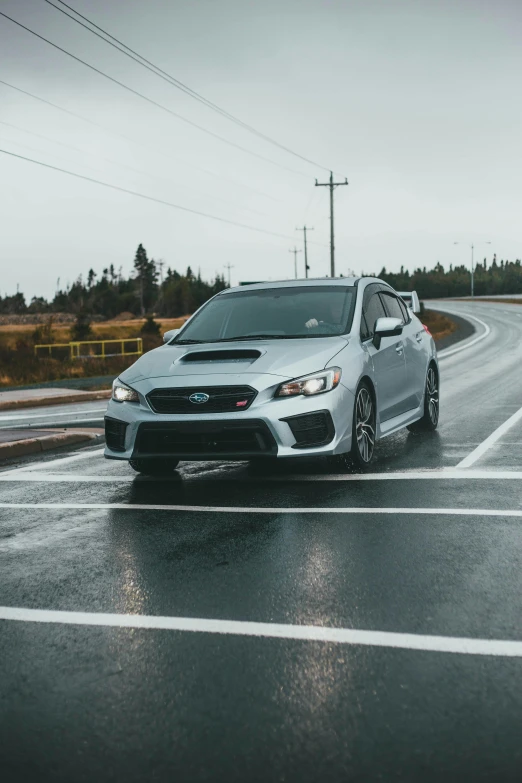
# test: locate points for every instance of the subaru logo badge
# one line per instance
(199, 397)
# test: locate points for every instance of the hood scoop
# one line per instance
(227, 355)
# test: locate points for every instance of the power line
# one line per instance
(172, 80)
(116, 163)
(151, 101)
(39, 150)
(72, 147)
(148, 198)
(133, 141)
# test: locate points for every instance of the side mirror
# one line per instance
(167, 337)
(386, 327)
(411, 299)
(415, 304)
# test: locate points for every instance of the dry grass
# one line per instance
(439, 325)
(104, 330)
(19, 365)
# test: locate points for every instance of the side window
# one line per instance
(365, 332)
(405, 313)
(367, 295)
(393, 307)
(373, 310)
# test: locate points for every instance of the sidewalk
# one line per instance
(32, 398)
(19, 443)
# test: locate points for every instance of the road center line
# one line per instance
(308, 633)
(489, 442)
(125, 478)
(465, 512)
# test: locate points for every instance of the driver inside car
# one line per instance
(330, 320)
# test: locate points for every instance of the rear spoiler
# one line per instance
(411, 299)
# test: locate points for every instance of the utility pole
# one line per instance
(331, 184)
(295, 251)
(161, 264)
(229, 267)
(304, 229)
(472, 246)
(472, 273)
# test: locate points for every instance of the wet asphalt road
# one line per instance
(83, 703)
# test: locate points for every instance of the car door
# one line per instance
(389, 364)
(413, 350)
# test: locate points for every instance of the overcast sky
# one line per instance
(417, 102)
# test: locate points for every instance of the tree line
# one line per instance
(504, 277)
(143, 292)
(110, 293)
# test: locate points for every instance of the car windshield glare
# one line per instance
(273, 313)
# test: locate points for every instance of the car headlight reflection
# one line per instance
(318, 383)
(123, 393)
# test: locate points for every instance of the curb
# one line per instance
(20, 448)
(37, 402)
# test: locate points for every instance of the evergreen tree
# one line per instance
(147, 277)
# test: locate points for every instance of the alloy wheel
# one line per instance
(365, 424)
(432, 394)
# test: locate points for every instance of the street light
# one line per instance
(472, 246)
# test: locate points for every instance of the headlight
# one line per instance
(318, 383)
(123, 393)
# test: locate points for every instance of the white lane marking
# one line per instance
(39, 426)
(18, 417)
(460, 512)
(489, 442)
(445, 353)
(59, 461)
(445, 474)
(308, 633)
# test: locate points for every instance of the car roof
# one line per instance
(309, 281)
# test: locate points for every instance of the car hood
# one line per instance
(282, 358)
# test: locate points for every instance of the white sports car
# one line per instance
(274, 370)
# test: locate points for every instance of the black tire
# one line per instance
(154, 467)
(430, 419)
(363, 428)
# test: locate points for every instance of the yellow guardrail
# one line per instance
(76, 346)
(50, 346)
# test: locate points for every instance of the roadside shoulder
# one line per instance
(20, 443)
(464, 329)
(13, 400)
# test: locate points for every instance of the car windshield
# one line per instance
(273, 313)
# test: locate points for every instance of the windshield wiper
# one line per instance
(189, 342)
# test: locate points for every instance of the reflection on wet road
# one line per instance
(415, 572)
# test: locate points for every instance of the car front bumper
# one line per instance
(291, 427)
